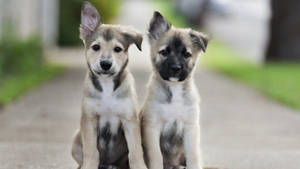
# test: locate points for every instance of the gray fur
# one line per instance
(120, 76)
(95, 81)
(158, 26)
(167, 92)
(108, 35)
(109, 143)
(171, 143)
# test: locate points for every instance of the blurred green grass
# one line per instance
(280, 81)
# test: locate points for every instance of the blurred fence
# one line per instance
(38, 17)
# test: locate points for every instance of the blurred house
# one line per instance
(31, 17)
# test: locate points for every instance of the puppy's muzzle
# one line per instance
(176, 68)
(105, 65)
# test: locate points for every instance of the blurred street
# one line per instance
(241, 128)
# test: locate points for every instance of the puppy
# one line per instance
(170, 115)
(109, 134)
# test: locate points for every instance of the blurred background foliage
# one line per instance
(22, 62)
(168, 9)
(19, 56)
(69, 18)
(22, 65)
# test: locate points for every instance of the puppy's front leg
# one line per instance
(192, 146)
(151, 141)
(133, 137)
(89, 127)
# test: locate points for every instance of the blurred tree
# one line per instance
(69, 18)
(284, 31)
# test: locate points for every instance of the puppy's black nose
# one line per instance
(105, 65)
(176, 68)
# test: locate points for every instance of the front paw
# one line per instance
(141, 166)
(86, 168)
(178, 167)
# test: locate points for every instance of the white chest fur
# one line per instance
(179, 109)
(108, 101)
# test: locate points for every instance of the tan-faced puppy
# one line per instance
(170, 115)
(109, 135)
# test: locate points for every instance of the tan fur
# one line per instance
(107, 104)
(159, 116)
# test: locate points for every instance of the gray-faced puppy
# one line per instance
(170, 125)
(109, 134)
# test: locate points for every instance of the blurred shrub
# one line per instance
(22, 65)
(19, 56)
(70, 18)
(108, 9)
(168, 10)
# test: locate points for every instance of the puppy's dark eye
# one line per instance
(186, 54)
(117, 49)
(96, 47)
(165, 52)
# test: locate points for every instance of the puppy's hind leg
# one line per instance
(77, 149)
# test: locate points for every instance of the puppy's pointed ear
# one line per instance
(90, 20)
(199, 40)
(158, 25)
(133, 36)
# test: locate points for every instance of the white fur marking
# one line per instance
(176, 110)
(109, 103)
(173, 79)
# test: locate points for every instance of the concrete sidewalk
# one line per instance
(241, 129)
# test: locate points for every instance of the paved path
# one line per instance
(241, 129)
